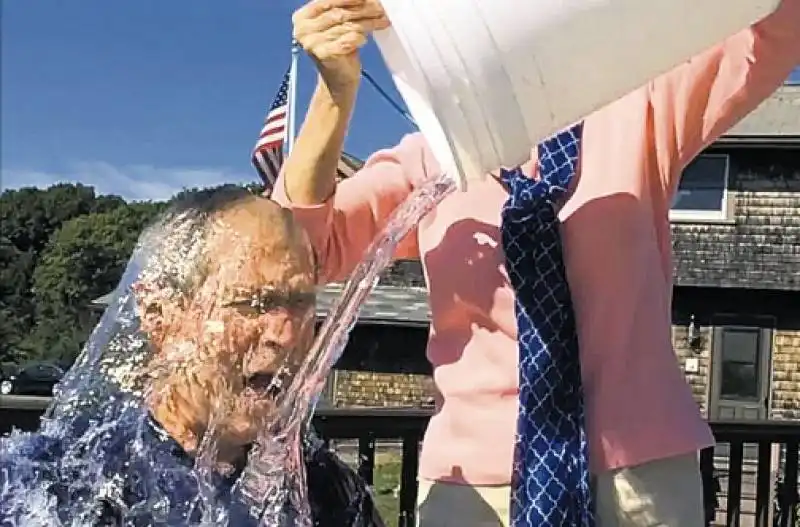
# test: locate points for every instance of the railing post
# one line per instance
(734, 497)
(786, 497)
(763, 486)
(711, 485)
(408, 480)
(366, 457)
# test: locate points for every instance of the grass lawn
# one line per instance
(387, 485)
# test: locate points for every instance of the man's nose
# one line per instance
(284, 327)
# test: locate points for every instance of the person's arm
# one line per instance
(342, 219)
(342, 226)
(702, 99)
(310, 172)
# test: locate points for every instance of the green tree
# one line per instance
(28, 218)
(255, 188)
(15, 306)
(84, 259)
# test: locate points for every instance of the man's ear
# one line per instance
(157, 311)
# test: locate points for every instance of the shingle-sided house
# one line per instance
(736, 313)
(736, 240)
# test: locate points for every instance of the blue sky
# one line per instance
(143, 98)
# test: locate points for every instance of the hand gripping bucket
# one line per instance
(486, 80)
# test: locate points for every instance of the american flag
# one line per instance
(268, 152)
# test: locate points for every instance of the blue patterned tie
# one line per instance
(550, 486)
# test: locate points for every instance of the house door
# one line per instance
(740, 383)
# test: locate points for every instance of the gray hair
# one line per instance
(171, 258)
(174, 246)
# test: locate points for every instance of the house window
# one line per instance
(794, 77)
(740, 359)
(703, 190)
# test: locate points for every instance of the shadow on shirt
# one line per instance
(469, 269)
(456, 505)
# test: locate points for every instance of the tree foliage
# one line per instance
(83, 260)
(59, 248)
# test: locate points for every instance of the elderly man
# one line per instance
(226, 300)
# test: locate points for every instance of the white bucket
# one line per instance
(486, 80)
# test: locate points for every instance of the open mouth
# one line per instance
(262, 383)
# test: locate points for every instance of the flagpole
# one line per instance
(292, 95)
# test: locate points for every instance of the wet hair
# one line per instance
(175, 243)
(183, 396)
(206, 202)
(170, 263)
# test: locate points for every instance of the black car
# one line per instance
(33, 379)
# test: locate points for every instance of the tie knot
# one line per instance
(525, 192)
(557, 165)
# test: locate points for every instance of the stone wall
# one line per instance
(786, 375)
(369, 389)
(785, 402)
(699, 380)
(354, 389)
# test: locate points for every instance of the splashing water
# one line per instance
(100, 458)
(272, 477)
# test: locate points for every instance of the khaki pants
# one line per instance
(664, 493)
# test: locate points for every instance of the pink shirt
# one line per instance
(618, 257)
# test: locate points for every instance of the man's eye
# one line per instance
(245, 307)
(249, 310)
(265, 303)
(301, 301)
(270, 303)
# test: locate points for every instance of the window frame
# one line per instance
(758, 377)
(724, 214)
(794, 77)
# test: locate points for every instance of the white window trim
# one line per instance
(725, 214)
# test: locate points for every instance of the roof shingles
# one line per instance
(778, 116)
(386, 303)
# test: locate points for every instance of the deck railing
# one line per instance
(749, 478)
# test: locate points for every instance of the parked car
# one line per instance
(7, 371)
(32, 379)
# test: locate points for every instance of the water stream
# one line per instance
(264, 489)
(97, 432)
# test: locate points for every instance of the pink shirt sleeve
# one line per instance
(702, 99)
(342, 227)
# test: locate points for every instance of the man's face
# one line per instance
(251, 319)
